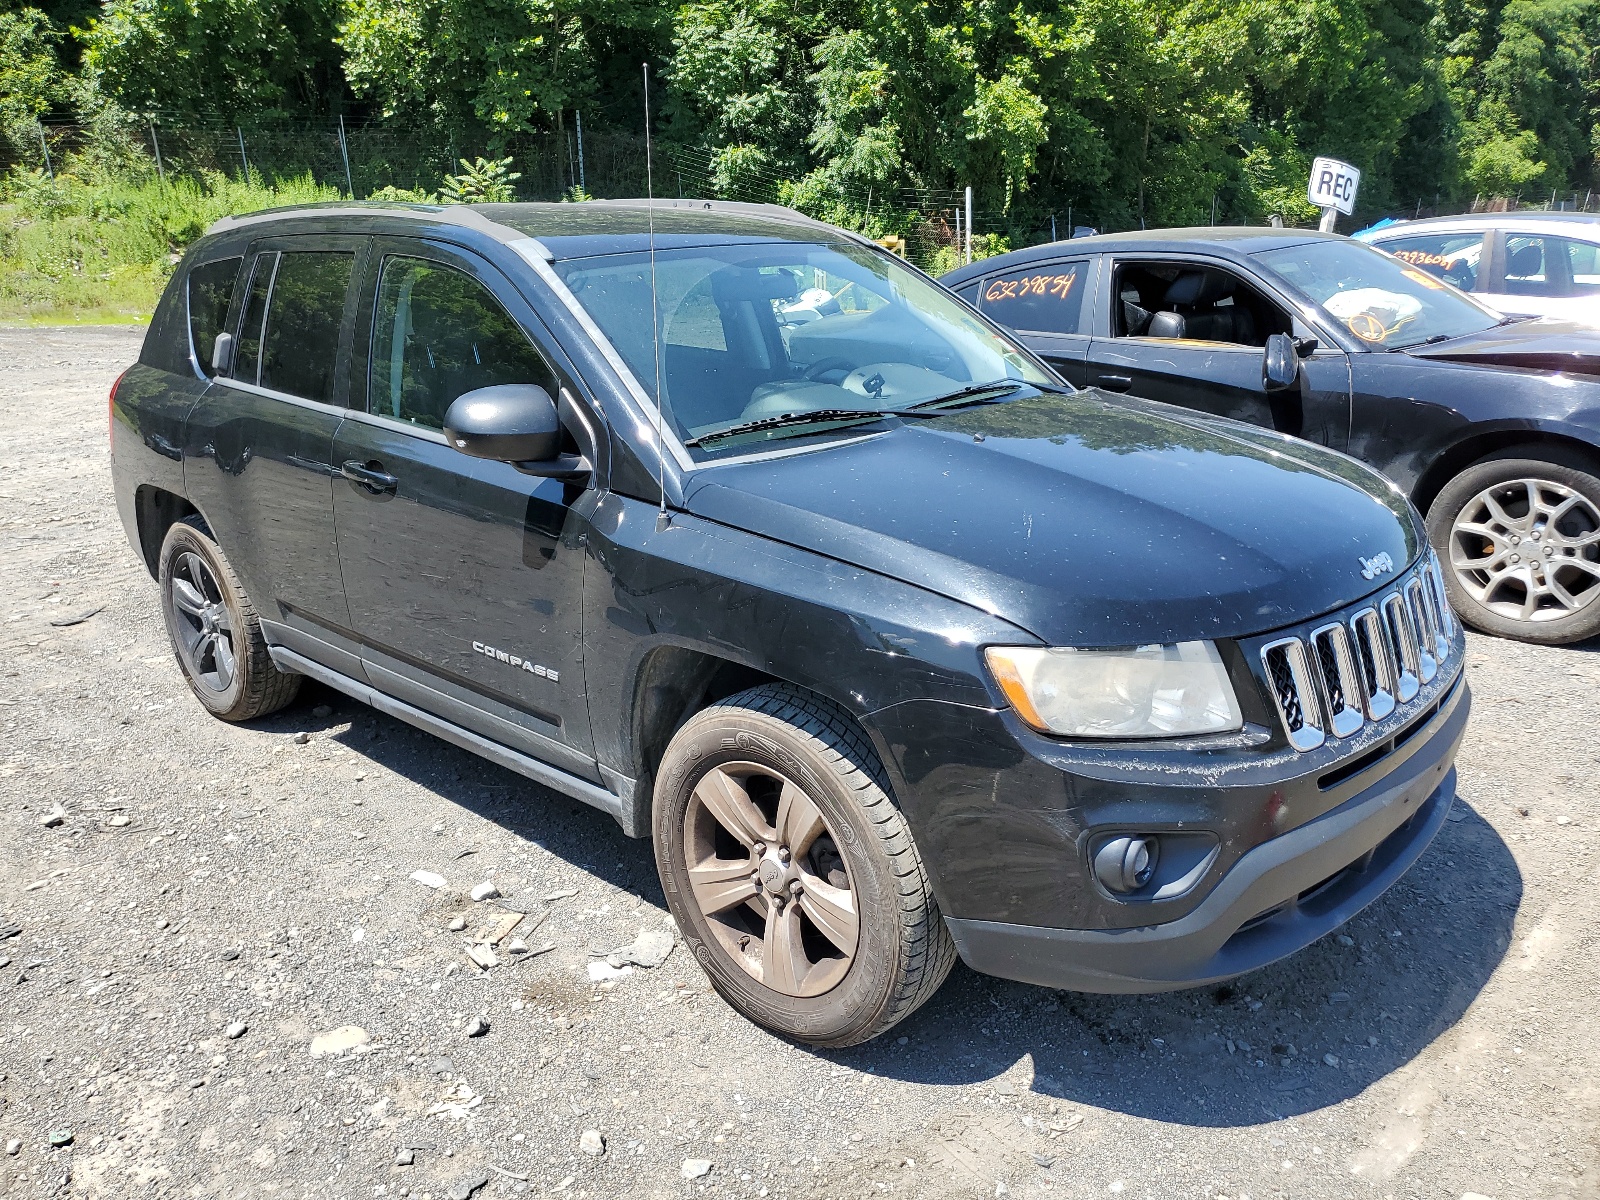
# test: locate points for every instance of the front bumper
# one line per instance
(1274, 900)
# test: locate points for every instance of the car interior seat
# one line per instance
(1195, 298)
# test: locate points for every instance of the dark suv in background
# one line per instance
(731, 525)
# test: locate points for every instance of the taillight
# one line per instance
(111, 407)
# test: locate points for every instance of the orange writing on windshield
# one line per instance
(1056, 286)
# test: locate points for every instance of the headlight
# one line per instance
(1149, 691)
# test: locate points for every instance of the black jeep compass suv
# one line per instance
(731, 525)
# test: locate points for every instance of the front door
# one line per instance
(1193, 333)
(464, 576)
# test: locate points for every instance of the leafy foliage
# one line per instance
(482, 181)
(1124, 112)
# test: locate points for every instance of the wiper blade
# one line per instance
(971, 391)
(815, 416)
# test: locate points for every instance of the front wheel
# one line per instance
(214, 630)
(790, 871)
(1519, 539)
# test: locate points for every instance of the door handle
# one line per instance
(369, 477)
(1114, 383)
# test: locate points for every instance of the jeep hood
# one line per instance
(1085, 519)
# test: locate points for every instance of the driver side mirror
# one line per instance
(515, 423)
(1280, 364)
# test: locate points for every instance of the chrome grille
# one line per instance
(1362, 668)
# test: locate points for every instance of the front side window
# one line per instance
(1037, 299)
(210, 294)
(750, 332)
(437, 334)
(1386, 303)
(1452, 257)
(301, 345)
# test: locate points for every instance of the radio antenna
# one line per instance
(663, 517)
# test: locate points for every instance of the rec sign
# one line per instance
(1333, 184)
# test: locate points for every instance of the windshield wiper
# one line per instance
(832, 415)
(816, 416)
(970, 392)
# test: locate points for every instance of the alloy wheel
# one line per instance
(768, 877)
(1528, 550)
(204, 626)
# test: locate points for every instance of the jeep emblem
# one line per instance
(1378, 564)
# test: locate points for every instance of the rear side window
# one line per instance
(437, 334)
(1452, 257)
(247, 355)
(1038, 299)
(301, 344)
(1583, 265)
(210, 294)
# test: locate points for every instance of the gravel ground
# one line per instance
(215, 897)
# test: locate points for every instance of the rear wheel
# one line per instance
(1519, 538)
(214, 630)
(790, 871)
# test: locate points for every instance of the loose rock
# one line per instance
(592, 1142)
(60, 1137)
(56, 816)
(478, 1026)
(485, 890)
(337, 1041)
(301, 738)
(405, 1156)
(428, 879)
(649, 949)
(463, 1188)
(695, 1168)
(322, 710)
(14, 1147)
(457, 924)
(236, 1030)
(600, 971)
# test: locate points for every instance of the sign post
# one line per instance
(1332, 188)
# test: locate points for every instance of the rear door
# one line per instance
(464, 576)
(1051, 305)
(260, 441)
(1222, 377)
(1546, 276)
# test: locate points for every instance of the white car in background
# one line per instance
(1538, 264)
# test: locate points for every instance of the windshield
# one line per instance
(756, 332)
(1386, 303)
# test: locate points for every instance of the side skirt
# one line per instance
(530, 768)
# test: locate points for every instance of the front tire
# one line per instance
(1519, 540)
(790, 871)
(214, 630)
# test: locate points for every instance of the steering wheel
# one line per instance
(823, 365)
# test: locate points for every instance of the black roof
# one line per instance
(587, 228)
(1231, 241)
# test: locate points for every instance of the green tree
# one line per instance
(188, 59)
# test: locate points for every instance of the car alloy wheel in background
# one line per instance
(1521, 542)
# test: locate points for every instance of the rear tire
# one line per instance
(1518, 535)
(790, 871)
(214, 630)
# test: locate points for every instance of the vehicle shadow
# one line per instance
(1300, 1035)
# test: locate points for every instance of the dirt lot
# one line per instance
(207, 878)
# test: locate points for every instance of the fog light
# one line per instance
(1125, 864)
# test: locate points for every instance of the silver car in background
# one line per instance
(1527, 264)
